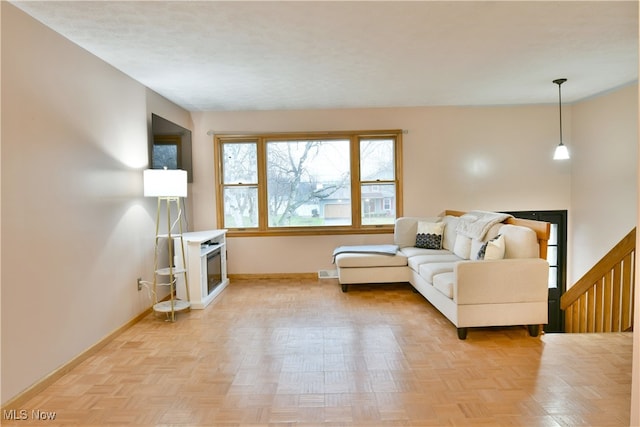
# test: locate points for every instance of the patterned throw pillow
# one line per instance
(429, 235)
(492, 249)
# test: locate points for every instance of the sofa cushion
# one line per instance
(410, 251)
(430, 269)
(462, 247)
(492, 249)
(519, 242)
(445, 256)
(429, 235)
(449, 234)
(443, 282)
(370, 260)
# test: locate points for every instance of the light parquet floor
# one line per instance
(302, 353)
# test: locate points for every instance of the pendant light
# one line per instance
(562, 153)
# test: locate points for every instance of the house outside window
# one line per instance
(333, 182)
(386, 204)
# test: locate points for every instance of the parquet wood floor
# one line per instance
(302, 353)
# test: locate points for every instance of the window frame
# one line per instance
(167, 140)
(261, 140)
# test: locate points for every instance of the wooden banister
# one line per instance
(602, 300)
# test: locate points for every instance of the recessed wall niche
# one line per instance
(170, 146)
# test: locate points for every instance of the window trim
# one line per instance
(261, 140)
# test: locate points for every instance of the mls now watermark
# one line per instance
(23, 415)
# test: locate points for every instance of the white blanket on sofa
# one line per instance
(475, 224)
(366, 249)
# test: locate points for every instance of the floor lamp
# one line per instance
(169, 186)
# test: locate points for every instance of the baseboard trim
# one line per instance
(295, 276)
(19, 400)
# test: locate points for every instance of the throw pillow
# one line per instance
(476, 245)
(429, 235)
(449, 233)
(462, 247)
(493, 249)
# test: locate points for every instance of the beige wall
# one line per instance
(454, 158)
(76, 231)
(604, 191)
(635, 374)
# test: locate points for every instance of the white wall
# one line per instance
(76, 231)
(604, 191)
(454, 158)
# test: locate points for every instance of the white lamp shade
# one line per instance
(562, 153)
(165, 183)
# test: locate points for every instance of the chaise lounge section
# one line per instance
(478, 269)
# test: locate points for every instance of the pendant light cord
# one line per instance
(559, 83)
(560, 109)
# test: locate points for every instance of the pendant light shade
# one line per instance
(561, 153)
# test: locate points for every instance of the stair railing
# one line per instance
(602, 300)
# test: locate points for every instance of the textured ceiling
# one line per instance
(213, 55)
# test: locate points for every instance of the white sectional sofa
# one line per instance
(509, 286)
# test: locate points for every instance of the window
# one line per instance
(377, 180)
(166, 152)
(306, 183)
(240, 176)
